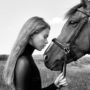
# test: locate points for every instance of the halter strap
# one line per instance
(66, 51)
(85, 13)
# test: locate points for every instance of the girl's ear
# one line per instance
(31, 37)
(31, 40)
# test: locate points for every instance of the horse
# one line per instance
(74, 40)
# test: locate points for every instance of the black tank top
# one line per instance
(32, 79)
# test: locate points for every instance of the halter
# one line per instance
(66, 47)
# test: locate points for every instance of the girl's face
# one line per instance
(39, 40)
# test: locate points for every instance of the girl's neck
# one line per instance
(28, 50)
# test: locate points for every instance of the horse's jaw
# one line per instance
(54, 66)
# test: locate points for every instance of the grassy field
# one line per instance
(78, 74)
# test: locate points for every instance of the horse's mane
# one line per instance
(74, 9)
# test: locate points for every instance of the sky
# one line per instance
(14, 13)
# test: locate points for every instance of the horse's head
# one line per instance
(75, 35)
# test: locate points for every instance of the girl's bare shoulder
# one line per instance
(22, 63)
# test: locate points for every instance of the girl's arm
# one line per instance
(20, 73)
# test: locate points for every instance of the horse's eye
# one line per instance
(73, 23)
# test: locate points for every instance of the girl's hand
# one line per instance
(60, 80)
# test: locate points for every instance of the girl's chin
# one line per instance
(40, 48)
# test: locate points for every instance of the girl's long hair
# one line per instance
(31, 26)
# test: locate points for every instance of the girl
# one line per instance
(20, 68)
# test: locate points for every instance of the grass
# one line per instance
(78, 75)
